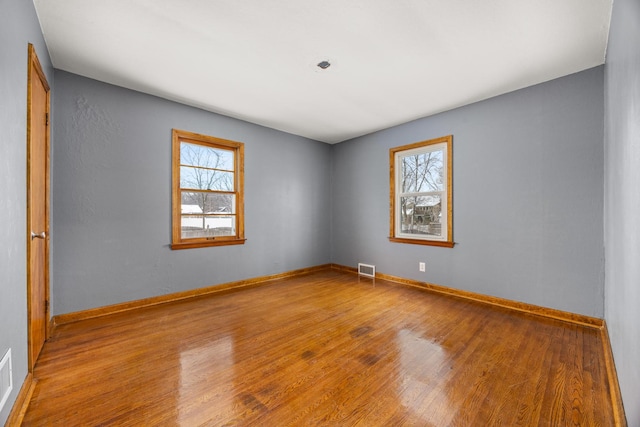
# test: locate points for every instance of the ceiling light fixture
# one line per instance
(324, 65)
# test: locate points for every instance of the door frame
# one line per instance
(34, 64)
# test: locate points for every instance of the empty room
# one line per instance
(370, 213)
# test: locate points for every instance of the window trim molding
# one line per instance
(448, 241)
(177, 242)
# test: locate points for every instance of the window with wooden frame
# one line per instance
(421, 193)
(207, 187)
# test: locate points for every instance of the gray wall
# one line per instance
(112, 191)
(622, 199)
(528, 173)
(18, 27)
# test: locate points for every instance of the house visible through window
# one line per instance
(207, 191)
(421, 193)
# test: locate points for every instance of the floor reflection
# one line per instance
(421, 363)
(206, 376)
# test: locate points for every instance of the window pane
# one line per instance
(421, 215)
(208, 157)
(423, 172)
(205, 179)
(199, 226)
(194, 202)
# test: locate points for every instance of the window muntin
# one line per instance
(207, 191)
(421, 193)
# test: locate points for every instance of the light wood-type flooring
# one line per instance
(328, 349)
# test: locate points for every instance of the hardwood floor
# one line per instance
(322, 349)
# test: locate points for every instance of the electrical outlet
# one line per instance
(422, 267)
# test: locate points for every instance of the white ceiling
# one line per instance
(392, 61)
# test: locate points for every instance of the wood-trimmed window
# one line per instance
(422, 193)
(208, 191)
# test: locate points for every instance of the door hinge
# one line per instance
(46, 119)
(46, 305)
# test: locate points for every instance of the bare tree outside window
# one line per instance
(206, 180)
(208, 169)
(422, 181)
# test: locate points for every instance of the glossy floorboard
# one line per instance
(322, 349)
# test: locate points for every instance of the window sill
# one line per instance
(444, 244)
(204, 244)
